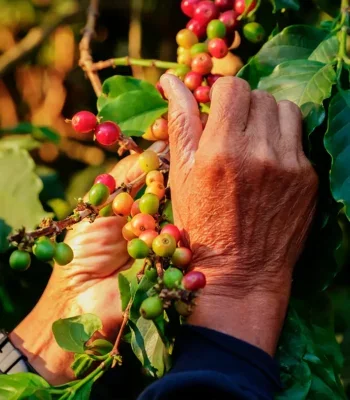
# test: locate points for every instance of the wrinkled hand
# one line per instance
(242, 190)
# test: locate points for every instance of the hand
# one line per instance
(87, 285)
(244, 194)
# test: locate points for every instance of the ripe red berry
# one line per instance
(229, 18)
(84, 122)
(194, 280)
(205, 11)
(142, 222)
(135, 208)
(187, 7)
(218, 48)
(201, 94)
(107, 180)
(107, 133)
(202, 64)
(212, 78)
(197, 28)
(224, 5)
(160, 129)
(173, 231)
(193, 80)
(240, 6)
(182, 257)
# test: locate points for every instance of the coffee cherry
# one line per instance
(205, 11)
(199, 48)
(44, 249)
(122, 204)
(212, 78)
(106, 211)
(216, 29)
(181, 71)
(202, 64)
(149, 204)
(229, 18)
(187, 7)
(148, 237)
(148, 161)
(185, 58)
(202, 94)
(138, 249)
(217, 48)
(142, 222)
(197, 28)
(127, 232)
(182, 308)
(182, 257)
(194, 280)
(224, 5)
(181, 50)
(151, 272)
(98, 194)
(160, 129)
(20, 260)
(107, 180)
(164, 245)
(254, 32)
(84, 122)
(172, 278)
(63, 254)
(240, 6)
(148, 135)
(154, 176)
(193, 80)
(186, 38)
(107, 133)
(173, 231)
(204, 119)
(151, 308)
(160, 90)
(156, 188)
(135, 208)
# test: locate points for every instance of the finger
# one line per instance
(229, 110)
(290, 121)
(185, 127)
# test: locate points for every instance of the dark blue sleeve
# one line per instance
(211, 365)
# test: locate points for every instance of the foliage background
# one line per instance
(48, 86)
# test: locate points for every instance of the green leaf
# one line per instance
(81, 364)
(19, 203)
(300, 81)
(337, 143)
(71, 334)
(128, 283)
(5, 230)
(314, 115)
(82, 393)
(22, 386)
(133, 105)
(124, 290)
(25, 142)
(281, 4)
(326, 51)
(100, 346)
(39, 132)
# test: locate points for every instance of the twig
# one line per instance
(86, 60)
(35, 37)
(115, 350)
(159, 269)
(128, 61)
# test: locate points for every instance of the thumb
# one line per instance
(185, 127)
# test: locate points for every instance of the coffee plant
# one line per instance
(305, 64)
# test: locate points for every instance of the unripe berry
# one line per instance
(138, 249)
(106, 211)
(199, 48)
(151, 308)
(173, 231)
(229, 18)
(63, 254)
(122, 204)
(204, 119)
(182, 308)
(194, 280)
(172, 278)
(240, 6)
(197, 28)
(148, 237)
(149, 204)
(224, 5)
(160, 129)
(84, 122)
(142, 222)
(107, 133)
(216, 29)
(217, 48)
(156, 188)
(193, 80)
(127, 232)
(164, 245)
(107, 180)
(187, 7)
(98, 194)
(202, 94)
(182, 257)
(148, 135)
(20, 260)
(148, 161)
(254, 32)
(154, 176)
(212, 78)
(44, 249)
(185, 59)
(181, 71)
(202, 64)
(151, 272)
(135, 208)
(186, 38)
(181, 50)
(205, 11)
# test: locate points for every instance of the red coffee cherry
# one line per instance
(173, 231)
(205, 11)
(201, 94)
(194, 280)
(107, 180)
(160, 129)
(212, 78)
(202, 64)
(135, 208)
(142, 222)
(127, 232)
(224, 5)
(107, 133)
(182, 256)
(84, 122)
(187, 7)
(240, 6)
(217, 48)
(193, 80)
(197, 28)
(229, 18)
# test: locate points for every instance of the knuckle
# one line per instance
(289, 106)
(229, 84)
(262, 95)
(265, 156)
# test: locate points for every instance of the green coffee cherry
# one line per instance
(63, 254)
(254, 32)
(44, 249)
(98, 194)
(199, 48)
(20, 260)
(106, 211)
(172, 278)
(151, 308)
(216, 29)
